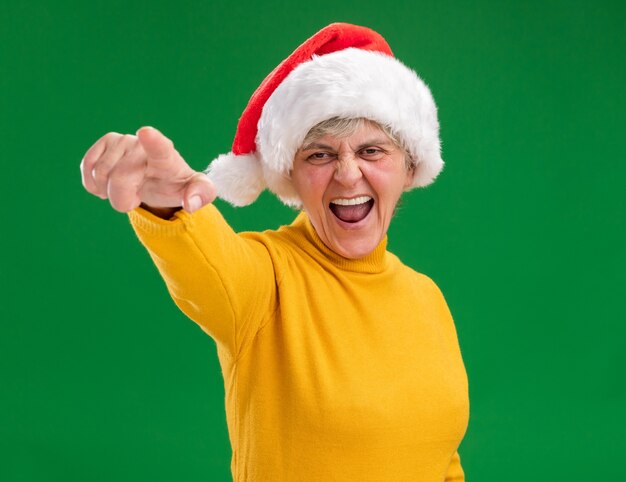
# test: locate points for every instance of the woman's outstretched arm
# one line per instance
(223, 282)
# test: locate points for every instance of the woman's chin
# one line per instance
(354, 249)
(354, 243)
(353, 240)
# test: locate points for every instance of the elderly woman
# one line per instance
(339, 362)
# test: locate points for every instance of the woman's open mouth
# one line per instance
(352, 210)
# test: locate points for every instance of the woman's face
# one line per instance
(350, 186)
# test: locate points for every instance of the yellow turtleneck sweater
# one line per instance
(334, 369)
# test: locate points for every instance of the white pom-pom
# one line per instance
(238, 178)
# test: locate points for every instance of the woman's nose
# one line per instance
(348, 171)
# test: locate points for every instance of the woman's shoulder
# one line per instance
(416, 277)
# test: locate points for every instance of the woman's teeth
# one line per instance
(352, 210)
(351, 202)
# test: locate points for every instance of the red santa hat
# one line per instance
(342, 71)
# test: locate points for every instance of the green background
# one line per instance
(103, 379)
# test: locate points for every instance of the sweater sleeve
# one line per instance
(455, 471)
(221, 280)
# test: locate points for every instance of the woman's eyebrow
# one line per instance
(316, 145)
(379, 141)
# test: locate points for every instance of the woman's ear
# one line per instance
(410, 175)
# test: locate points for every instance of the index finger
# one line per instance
(155, 144)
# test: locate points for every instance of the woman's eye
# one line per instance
(320, 157)
(371, 152)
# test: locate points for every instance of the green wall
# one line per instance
(103, 379)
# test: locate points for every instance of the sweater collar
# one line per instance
(309, 240)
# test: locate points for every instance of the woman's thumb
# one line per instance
(199, 192)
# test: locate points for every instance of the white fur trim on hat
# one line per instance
(238, 178)
(347, 83)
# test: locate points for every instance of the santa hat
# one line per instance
(342, 71)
